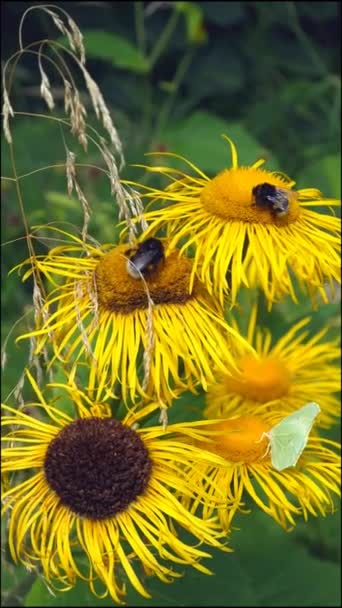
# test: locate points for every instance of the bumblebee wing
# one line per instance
(280, 199)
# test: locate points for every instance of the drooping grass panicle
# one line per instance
(45, 87)
(7, 111)
(56, 56)
(71, 31)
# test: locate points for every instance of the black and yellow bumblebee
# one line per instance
(277, 200)
(145, 258)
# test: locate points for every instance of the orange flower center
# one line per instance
(118, 291)
(260, 380)
(242, 439)
(229, 196)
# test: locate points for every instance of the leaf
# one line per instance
(15, 583)
(80, 595)
(227, 586)
(112, 47)
(323, 538)
(268, 568)
(188, 407)
(61, 200)
(210, 77)
(287, 312)
(282, 573)
(60, 398)
(324, 174)
(199, 139)
(194, 21)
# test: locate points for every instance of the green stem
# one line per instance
(140, 26)
(166, 108)
(146, 121)
(305, 40)
(164, 38)
(139, 21)
(336, 105)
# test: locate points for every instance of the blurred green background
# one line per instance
(176, 76)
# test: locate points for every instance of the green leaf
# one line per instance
(269, 567)
(199, 139)
(61, 200)
(112, 47)
(60, 398)
(323, 537)
(15, 583)
(210, 77)
(227, 586)
(15, 579)
(194, 20)
(281, 571)
(80, 595)
(324, 174)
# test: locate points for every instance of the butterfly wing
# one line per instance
(305, 415)
(289, 437)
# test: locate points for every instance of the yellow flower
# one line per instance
(100, 314)
(236, 231)
(284, 375)
(101, 497)
(298, 491)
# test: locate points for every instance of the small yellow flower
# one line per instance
(284, 375)
(94, 486)
(238, 242)
(298, 491)
(100, 315)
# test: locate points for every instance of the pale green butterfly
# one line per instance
(288, 438)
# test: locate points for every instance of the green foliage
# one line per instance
(116, 49)
(326, 174)
(194, 20)
(267, 568)
(199, 139)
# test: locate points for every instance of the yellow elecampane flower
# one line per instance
(297, 368)
(104, 488)
(98, 315)
(242, 238)
(308, 488)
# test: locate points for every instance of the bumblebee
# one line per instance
(277, 200)
(145, 258)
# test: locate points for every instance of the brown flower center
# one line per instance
(118, 291)
(97, 467)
